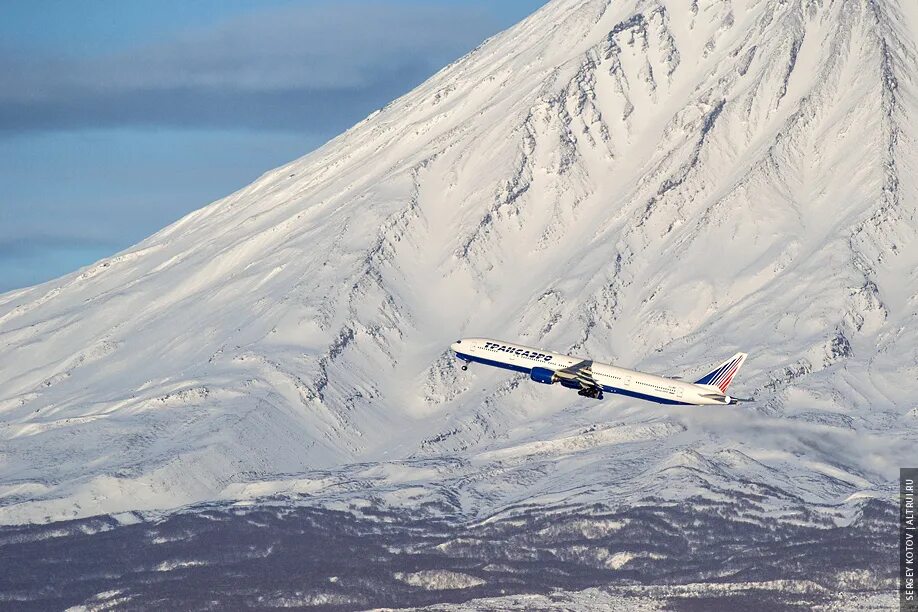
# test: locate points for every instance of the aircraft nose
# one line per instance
(455, 346)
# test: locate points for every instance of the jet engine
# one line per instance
(543, 375)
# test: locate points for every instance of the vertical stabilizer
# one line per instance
(723, 374)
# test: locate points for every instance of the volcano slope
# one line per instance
(653, 184)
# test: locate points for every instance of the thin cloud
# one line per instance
(37, 244)
(309, 68)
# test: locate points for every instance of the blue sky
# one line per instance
(118, 117)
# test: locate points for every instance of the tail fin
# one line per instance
(724, 373)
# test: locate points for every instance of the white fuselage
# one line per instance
(612, 379)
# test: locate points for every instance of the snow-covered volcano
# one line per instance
(656, 184)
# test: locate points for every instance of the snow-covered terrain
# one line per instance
(655, 184)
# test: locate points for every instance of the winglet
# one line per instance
(721, 376)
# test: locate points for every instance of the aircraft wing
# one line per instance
(581, 373)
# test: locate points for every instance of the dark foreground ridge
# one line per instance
(277, 554)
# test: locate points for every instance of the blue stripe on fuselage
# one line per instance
(491, 362)
(615, 390)
(642, 396)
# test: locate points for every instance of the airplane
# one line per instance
(592, 379)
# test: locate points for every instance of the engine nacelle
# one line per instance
(543, 375)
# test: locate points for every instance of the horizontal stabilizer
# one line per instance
(726, 399)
